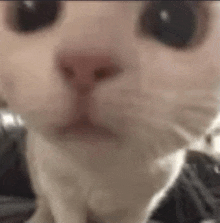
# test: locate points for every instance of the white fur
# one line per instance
(160, 101)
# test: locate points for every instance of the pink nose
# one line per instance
(85, 70)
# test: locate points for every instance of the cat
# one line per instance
(112, 94)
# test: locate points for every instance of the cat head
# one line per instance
(147, 70)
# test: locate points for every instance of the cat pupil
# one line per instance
(33, 15)
(173, 23)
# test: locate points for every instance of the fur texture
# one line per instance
(107, 151)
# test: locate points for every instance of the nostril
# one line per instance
(101, 74)
(68, 71)
(106, 72)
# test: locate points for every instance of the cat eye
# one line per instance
(173, 23)
(29, 16)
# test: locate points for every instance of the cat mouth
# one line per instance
(84, 127)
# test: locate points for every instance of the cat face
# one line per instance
(148, 71)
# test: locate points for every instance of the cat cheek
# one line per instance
(7, 84)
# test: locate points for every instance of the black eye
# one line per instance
(29, 16)
(171, 22)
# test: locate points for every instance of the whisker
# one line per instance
(182, 132)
